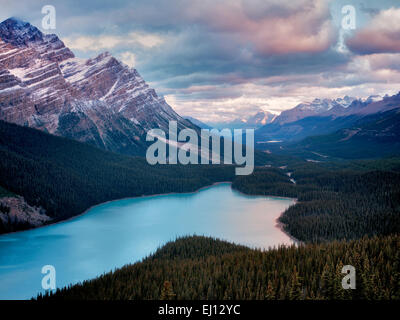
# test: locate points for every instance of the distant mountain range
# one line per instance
(314, 108)
(259, 119)
(364, 129)
(373, 136)
(322, 117)
(100, 101)
(252, 122)
(327, 129)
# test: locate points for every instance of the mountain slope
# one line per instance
(373, 136)
(100, 101)
(65, 177)
(197, 122)
(302, 128)
(257, 120)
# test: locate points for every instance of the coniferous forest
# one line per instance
(346, 213)
(66, 177)
(334, 203)
(206, 268)
(200, 150)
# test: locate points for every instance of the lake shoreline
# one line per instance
(109, 201)
(169, 194)
(278, 224)
(137, 227)
(281, 227)
(262, 195)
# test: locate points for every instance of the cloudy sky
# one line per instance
(218, 60)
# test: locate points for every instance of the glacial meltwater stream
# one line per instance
(113, 234)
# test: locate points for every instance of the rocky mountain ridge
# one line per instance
(316, 107)
(99, 101)
(319, 122)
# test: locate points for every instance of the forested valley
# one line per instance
(346, 213)
(66, 177)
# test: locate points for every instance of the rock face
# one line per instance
(99, 101)
(15, 212)
(252, 121)
(260, 118)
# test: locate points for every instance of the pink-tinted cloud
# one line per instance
(381, 35)
(276, 27)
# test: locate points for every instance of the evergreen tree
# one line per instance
(166, 292)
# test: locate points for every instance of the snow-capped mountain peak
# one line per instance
(18, 32)
(373, 98)
(316, 107)
(98, 100)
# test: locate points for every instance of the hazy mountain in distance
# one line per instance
(99, 101)
(260, 118)
(197, 122)
(251, 122)
(372, 136)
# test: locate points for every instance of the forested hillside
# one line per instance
(66, 177)
(372, 137)
(336, 201)
(204, 268)
(5, 193)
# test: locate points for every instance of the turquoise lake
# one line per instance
(113, 234)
